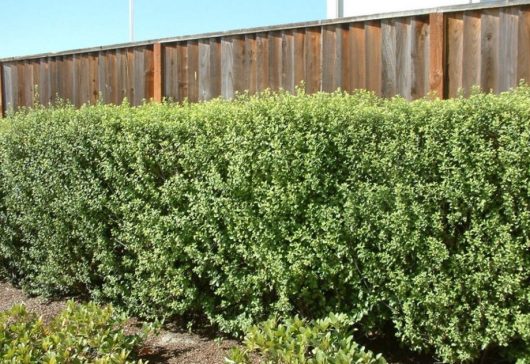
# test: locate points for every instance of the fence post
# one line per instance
(437, 54)
(157, 72)
(2, 111)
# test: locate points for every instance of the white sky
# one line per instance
(366, 7)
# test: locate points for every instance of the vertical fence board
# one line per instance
(262, 64)
(46, 80)
(21, 81)
(102, 79)
(86, 79)
(167, 71)
(373, 69)
(34, 68)
(471, 51)
(404, 57)
(170, 71)
(93, 95)
(61, 75)
(275, 60)
(419, 72)
(298, 57)
(123, 74)
(240, 80)
(346, 65)
(193, 70)
(329, 58)
(131, 84)
(27, 86)
(313, 79)
(138, 72)
(2, 102)
(157, 63)
(523, 54)
(7, 87)
(183, 74)
(215, 67)
(490, 50)
(227, 68)
(508, 31)
(204, 70)
(54, 79)
(76, 78)
(339, 58)
(68, 79)
(287, 80)
(113, 78)
(250, 63)
(81, 79)
(358, 56)
(149, 75)
(455, 50)
(110, 76)
(10, 79)
(437, 53)
(389, 57)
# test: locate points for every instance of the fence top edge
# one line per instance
(280, 27)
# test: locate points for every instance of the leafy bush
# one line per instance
(80, 334)
(415, 213)
(295, 341)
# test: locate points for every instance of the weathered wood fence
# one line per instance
(410, 54)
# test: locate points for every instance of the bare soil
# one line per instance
(171, 345)
(174, 344)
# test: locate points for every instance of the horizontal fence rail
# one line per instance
(445, 51)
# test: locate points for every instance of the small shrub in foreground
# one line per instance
(82, 333)
(297, 341)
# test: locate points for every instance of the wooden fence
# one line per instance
(410, 54)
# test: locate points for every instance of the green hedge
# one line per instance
(417, 213)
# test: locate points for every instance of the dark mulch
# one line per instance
(10, 296)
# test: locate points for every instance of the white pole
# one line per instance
(340, 8)
(131, 20)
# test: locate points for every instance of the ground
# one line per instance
(174, 344)
(171, 345)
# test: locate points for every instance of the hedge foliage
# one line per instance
(417, 213)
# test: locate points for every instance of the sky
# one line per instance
(37, 26)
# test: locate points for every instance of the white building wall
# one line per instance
(367, 7)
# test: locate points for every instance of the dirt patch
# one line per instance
(180, 347)
(170, 346)
(10, 296)
(174, 344)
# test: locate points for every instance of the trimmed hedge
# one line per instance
(414, 212)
